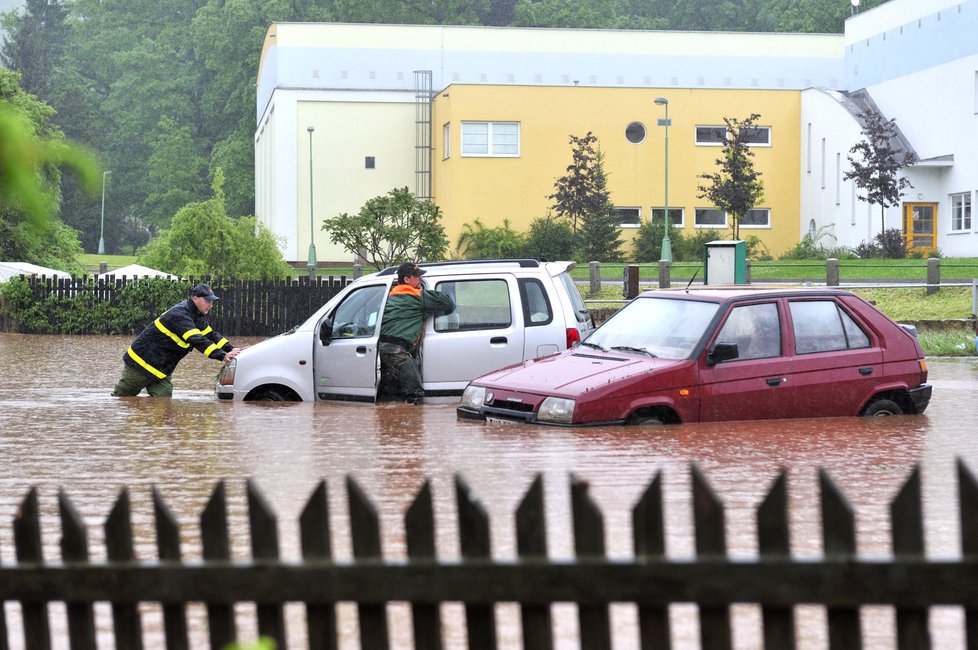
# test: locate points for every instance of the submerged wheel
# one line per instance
(274, 394)
(645, 421)
(883, 408)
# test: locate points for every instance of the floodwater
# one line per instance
(59, 428)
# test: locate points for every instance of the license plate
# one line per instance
(494, 420)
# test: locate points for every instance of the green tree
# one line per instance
(36, 42)
(32, 153)
(390, 229)
(737, 186)
(581, 197)
(875, 170)
(204, 240)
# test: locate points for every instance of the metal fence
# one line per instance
(841, 581)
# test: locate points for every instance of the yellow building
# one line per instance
(532, 125)
(479, 119)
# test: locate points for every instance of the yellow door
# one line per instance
(920, 226)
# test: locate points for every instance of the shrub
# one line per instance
(479, 242)
(889, 244)
(550, 239)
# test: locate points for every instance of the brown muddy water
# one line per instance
(59, 428)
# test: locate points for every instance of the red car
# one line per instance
(675, 356)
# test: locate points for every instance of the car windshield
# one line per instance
(659, 326)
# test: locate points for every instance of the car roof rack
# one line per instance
(524, 263)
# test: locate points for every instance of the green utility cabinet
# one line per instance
(725, 262)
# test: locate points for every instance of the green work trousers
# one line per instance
(134, 381)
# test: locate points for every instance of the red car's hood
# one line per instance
(573, 372)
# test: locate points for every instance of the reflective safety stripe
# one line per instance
(150, 369)
(189, 333)
(221, 343)
(176, 339)
(210, 349)
(207, 330)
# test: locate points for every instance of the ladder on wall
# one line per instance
(422, 138)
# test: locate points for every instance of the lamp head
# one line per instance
(310, 129)
(661, 101)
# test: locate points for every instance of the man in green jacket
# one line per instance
(402, 327)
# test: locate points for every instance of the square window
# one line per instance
(368, 162)
(676, 216)
(710, 218)
(757, 218)
(961, 212)
(492, 139)
(629, 217)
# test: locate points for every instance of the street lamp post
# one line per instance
(101, 230)
(666, 244)
(312, 233)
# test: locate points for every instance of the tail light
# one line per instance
(923, 370)
(573, 336)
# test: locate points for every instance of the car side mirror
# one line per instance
(722, 352)
(326, 331)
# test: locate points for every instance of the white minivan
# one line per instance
(506, 311)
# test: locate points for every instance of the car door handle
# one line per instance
(866, 371)
(774, 381)
(361, 349)
(498, 340)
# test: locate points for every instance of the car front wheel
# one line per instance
(882, 408)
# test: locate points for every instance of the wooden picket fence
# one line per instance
(247, 307)
(840, 581)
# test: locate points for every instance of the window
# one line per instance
(710, 218)
(491, 139)
(357, 316)
(446, 136)
(536, 304)
(822, 326)
(961, 212)
(676, 216)
(635, 132)
(758, 136)
(479, 305)
(756, 329)
(628, 217)
(756, 218)
(711, 135)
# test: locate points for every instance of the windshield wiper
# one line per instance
(628, 348)
(593, 345)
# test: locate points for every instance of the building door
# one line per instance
(920, 226)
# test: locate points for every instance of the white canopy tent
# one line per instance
(13, 269)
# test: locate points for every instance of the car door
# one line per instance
(752, 386)
(346, 361)
(485, 332)
(835, 360)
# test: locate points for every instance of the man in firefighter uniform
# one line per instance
(408, 304)
(153, 356)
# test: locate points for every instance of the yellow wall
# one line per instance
(493, 189)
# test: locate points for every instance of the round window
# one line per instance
(635, 132)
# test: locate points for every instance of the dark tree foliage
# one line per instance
(35, 44)
(737, 186)
(876, 162)
(581, 198)
(550, 239)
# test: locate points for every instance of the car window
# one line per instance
(479, 304)
(357, 315)
(536, 304)
(756, 329)
(577, 302)
(665, 327)
(822, 326)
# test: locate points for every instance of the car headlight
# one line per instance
(472, 397)
(557, 409)
(226, 376)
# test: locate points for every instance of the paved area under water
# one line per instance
(59, 428)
